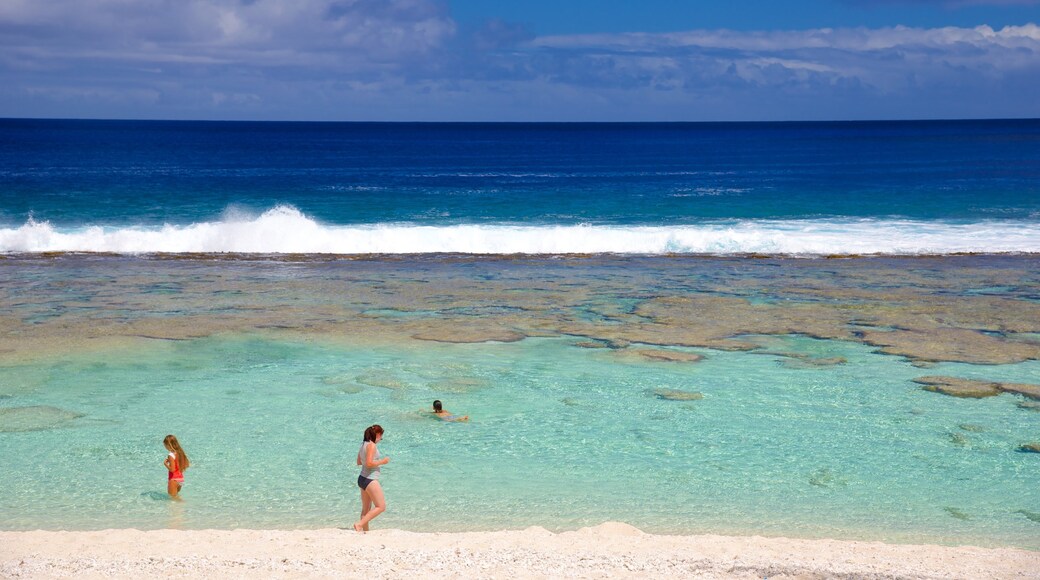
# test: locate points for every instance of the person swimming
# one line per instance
(444, 415)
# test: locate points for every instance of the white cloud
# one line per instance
(348, 34)
(408, 59)
(884, 59)
(855, 39)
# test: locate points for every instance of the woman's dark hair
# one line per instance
(371, 432)
(437, 406)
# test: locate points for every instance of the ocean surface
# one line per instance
(692, 328)
(788, 188)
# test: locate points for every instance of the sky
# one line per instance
(512, 60)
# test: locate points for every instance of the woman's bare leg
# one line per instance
(173, 488)
(366, 505)
(375, 492)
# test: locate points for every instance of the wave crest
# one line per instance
(284, 229)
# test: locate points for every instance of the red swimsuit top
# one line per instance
(175, 473)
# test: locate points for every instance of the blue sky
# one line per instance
(507, 60)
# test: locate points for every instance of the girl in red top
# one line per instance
(176, 462)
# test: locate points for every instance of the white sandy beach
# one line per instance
(610, 550)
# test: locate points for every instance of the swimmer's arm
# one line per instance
(167, 464)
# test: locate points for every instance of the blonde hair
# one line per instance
(173, 445)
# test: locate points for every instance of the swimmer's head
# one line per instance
(437, 407)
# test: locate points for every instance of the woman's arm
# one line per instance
(370, 455)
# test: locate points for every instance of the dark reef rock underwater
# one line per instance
(676, 395)
(38, 418)
(975, 389)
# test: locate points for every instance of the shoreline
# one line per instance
(609, 550)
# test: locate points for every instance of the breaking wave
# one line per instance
(284, 229)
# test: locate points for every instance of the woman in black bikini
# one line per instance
(370, 460)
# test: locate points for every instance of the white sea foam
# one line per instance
(285, 229)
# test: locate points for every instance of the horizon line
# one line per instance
(461, 122)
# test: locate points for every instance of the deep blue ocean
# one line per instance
(787, 188)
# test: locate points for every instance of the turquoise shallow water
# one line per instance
(561, 437)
